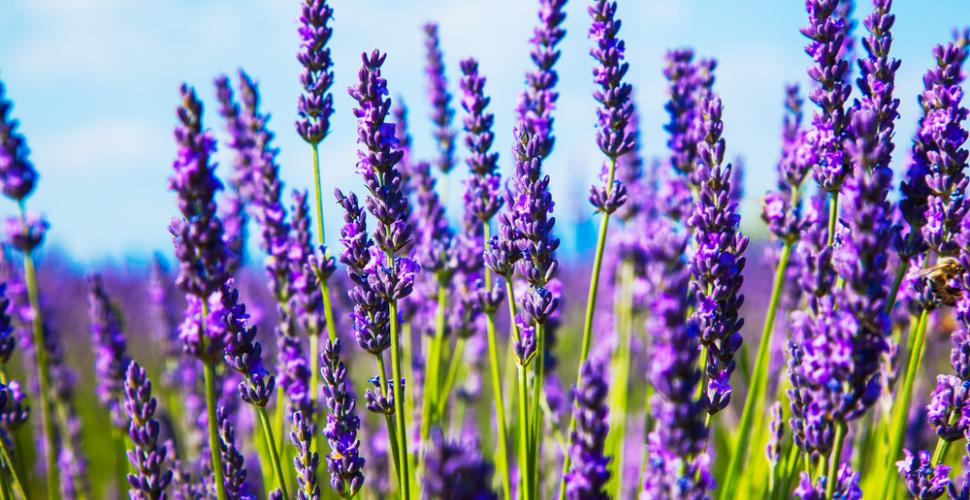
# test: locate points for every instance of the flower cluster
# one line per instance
(110, 350)
(315, 105)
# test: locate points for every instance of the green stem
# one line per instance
(121, 461)
(587, 326)
(619, 387)
(759, 381)
(210, 403)
(399, 394)
(835, 458)
(939, 454)
(901, 410)
(525, 486)
(791, 468)
(894, 291)
(43, 371)
(536, 411)
(451, 378)
(391, 431)
(502, 453)
(17, 483)
(833, 215)
(432, 364)
(273, 455)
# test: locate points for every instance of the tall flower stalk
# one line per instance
(17, 181)
(315, 107)
(197, 238)
(389, 277)
(483, 200)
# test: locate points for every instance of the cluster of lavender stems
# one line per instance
(877, 280)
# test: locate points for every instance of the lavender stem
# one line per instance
(273, 452)
(502, 459)
(18, 484)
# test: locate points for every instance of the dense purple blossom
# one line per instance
(110, 350)
(922, 478)
(27, 232)
(151, 475)
(536, 104)
(782, 209)
(307, 301)
(233, 462)
(456, 470)
(718, 262)
(306, 460)
(7, 340)
(17, 174)
(847, 487)
(590, 466)
(315, 105)
(689, 83)
(344, 462)
(442, 113)
(482, 190)
(243, 354)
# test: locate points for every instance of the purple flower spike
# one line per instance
(316, 102)
(827, 33)
(590, 470)
(442, 113)
(948, 404)
(17, 174)
(482, 198)
(233, 462)
(26, 234)
(242, 353)
(240, 141)
(923, 479)
(536, 104)
(776, 431)
(15, 412)
(616, 105)
(110, 356)
(306, 460)
(689, 84)
(782, 209)
(344, 462)
(456, 470)
(147, 457)
(8, 342)
(847, 487)
(307, 303)
(434, 238)
(198, 234)
(719, 261)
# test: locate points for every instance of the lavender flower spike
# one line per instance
(538, 101)
(615, 103)
(316, 102)
(923, 479)
(442, 113)
(590, 471)
(198, 235)
(456, 470)
(344, 462)
(719, 261)
(306, 460)
(110, 356)
(243, 354)
(233, 462)
(150, 478)
(827, 32)
(17, 174)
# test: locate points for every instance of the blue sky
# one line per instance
(95, 85)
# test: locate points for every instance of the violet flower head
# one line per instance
(27, 233)
(923, 479)
(232, 213)
(948, 404)
(344, 462)
(315, 105)
(456, 470)
(782, 209)
(198, 234)
(590, 470)
(442, 114)
(17, 174)
(944, 133)
(434, 239)
(242, 353)
(240, 141)
(307, 301)
(293, 369)
(538, 101)
(14, 412)
(233, 461)
(615, 103)
(306, 460)
(847, 487)
(776, 431)
(482, 190)
(268, 192)
(827, 33)
(150, 476)
(719, 261)
(689, 82)
(877, 79)
(378, 158)
(630, 171)
(110, 350)
(8, 342)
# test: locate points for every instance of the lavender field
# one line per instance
(372, 302)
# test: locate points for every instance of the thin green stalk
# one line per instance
(391, 430)
(273, 455)
(43, 371)
(121, 461)
(894, 291)
(942, 446)
(536, 412)
(901, 410)
(407, 345)
(399, 391)
(835, 458)
(451, 378)
(4, 488)
(791, 468)
(833, 215)
(210, 403)
(502, 452)
(432, 364)
(619, 386)
(759, 381)
(588, 324)
(17, 483)
(525, 479)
